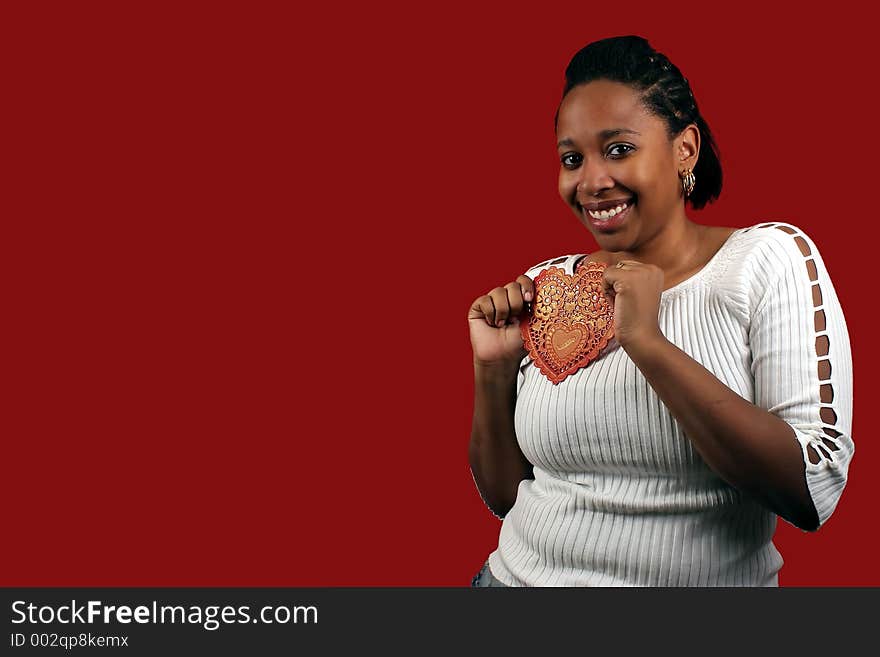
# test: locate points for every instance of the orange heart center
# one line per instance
(566, 341)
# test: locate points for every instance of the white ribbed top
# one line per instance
(620, 496)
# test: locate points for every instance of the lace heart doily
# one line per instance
(571, 322)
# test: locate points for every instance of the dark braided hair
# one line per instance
(665, 93)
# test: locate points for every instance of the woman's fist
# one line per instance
(636, 288)
(494, 320)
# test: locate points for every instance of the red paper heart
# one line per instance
(571, 321)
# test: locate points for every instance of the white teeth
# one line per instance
(605, 215)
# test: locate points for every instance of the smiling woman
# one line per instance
(722, 398)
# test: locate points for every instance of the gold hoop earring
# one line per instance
(688, 181)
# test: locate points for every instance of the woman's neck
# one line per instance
(677, 248)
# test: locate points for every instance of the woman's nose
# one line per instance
(594, 177)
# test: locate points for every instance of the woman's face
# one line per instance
(616, 156)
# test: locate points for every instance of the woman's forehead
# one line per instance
(600, 106)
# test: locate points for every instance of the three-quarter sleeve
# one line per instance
(801, 357)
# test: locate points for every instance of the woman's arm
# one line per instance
(750, 448)
(497, 463)
(791, 448)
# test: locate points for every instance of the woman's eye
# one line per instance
(571, 160)
(617, 147)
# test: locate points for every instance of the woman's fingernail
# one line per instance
(528, 296)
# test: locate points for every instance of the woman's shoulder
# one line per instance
(759, 257)
(775, 231)
(776, 243)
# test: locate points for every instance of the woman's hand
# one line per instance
(494, 323)
(635, 288)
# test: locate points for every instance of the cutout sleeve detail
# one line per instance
(802, 361)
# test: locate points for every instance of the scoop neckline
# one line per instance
(699, 274)
(693, 278)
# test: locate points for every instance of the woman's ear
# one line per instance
(687, 147)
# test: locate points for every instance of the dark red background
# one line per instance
(240, 245)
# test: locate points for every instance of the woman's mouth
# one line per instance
(608, 219)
